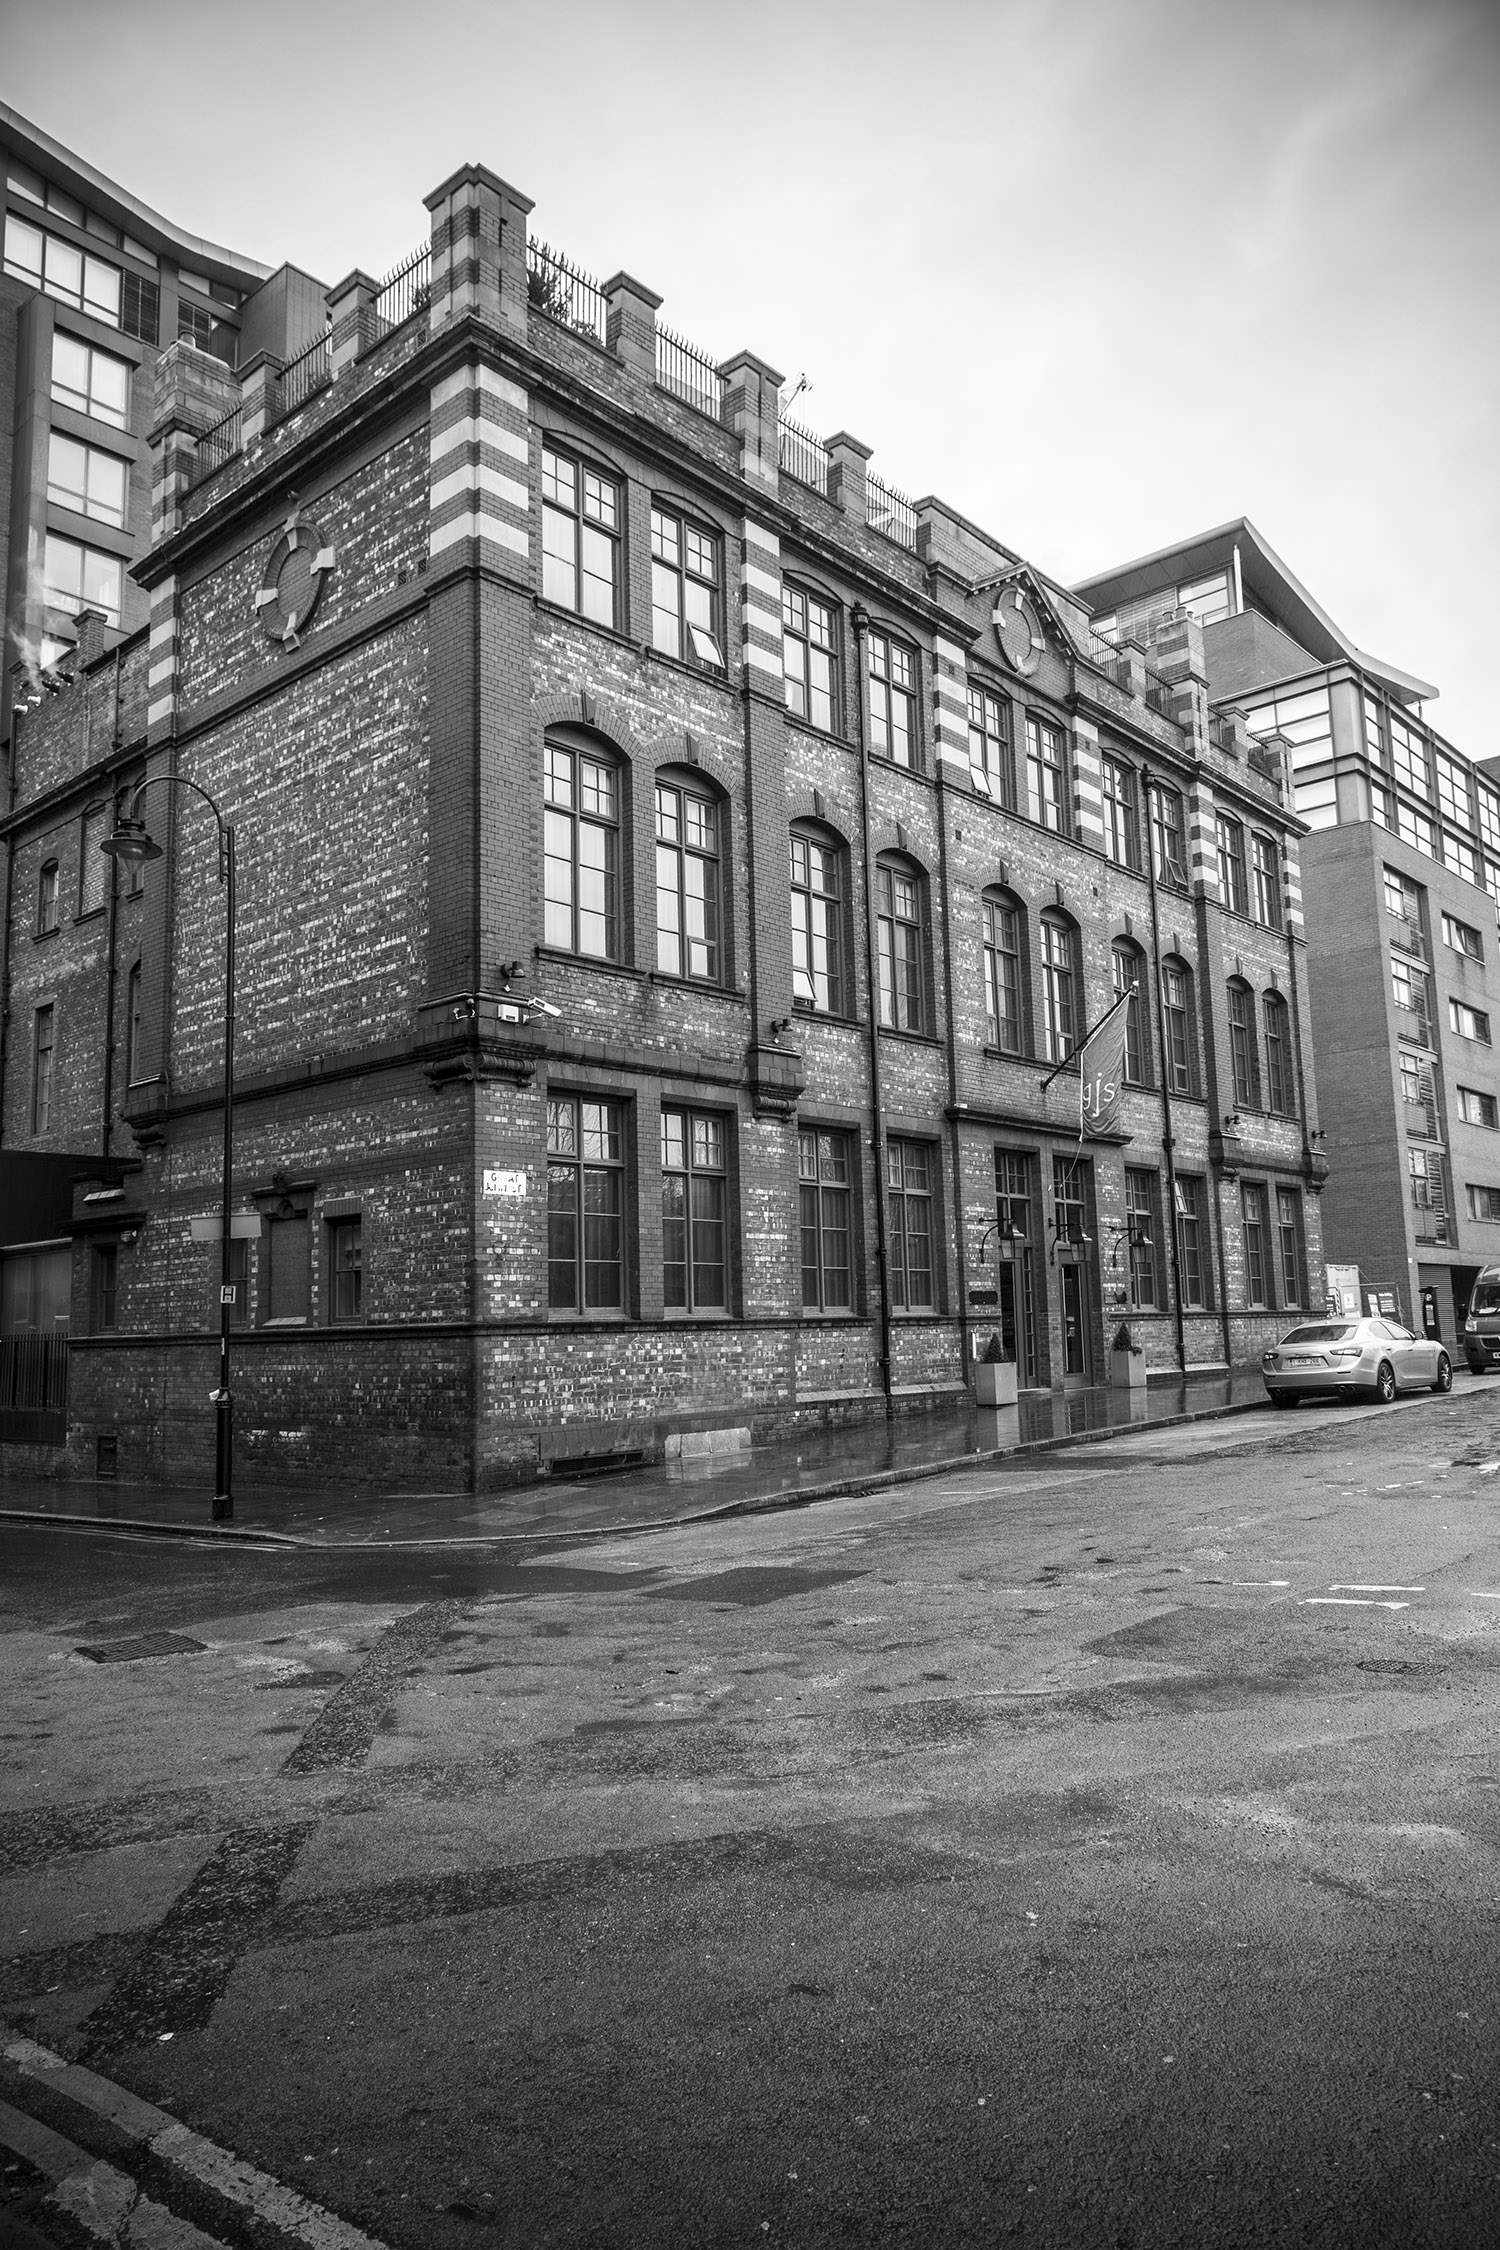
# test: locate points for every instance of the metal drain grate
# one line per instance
(148, 1644)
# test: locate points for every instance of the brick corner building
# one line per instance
(670, 861)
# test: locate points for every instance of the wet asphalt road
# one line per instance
(1097, 1852)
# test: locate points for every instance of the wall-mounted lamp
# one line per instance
(1007, 1236)
(779, 1024)
(1232, 1121)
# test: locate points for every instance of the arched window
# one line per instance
(1229, 843)
(1168, 845)
(893, 702)
(1005, 980)
(1122, 814)
(809, 656)
(1048, 796)
(1061, 994)
(1244, 1052)
(1179, 1028)
(819, 889)
(687, 572)
(133, 1026)
(46, 899)
(901, 917)
(581, 519)
(1279, 1080)
(1266, 868)
(1127, 971)
(689, 842)
(990, 763)
(584, 788)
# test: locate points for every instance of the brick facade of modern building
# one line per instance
(669, 863)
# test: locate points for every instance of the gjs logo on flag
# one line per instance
(1101, 1071)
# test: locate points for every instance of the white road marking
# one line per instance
(1362, 1586)
(105, 2202)
(1347, 1601)
(265, 2198)
(1260, 1582)
(1475, 1595)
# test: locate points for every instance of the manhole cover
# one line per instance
(149, 1644)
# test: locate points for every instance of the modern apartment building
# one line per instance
(1401, 873)
(94, 286)
(670, 863)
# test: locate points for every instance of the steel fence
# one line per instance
(563, 292)
(308, 372)
(406, 289)
(803, 456)
(890, 512)
(218, 445)
(688, 373)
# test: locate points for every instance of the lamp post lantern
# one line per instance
(132, 841)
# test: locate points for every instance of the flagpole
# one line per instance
(1075, 1056)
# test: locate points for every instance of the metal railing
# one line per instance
(890, 512)
(688, 373)
(563, 292)
(1159, 696)
(308, 372)
(34, 1374)
(1105, 652)
(1221, 734)
(803, 456)
(218, 445)
(406, 289)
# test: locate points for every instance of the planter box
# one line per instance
(1127, 1371)
(995, 1382)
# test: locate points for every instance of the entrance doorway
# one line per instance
(1075, 1326)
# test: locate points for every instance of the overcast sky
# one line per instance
(1101, 273)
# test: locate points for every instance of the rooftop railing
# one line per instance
(310, 371)
(801, 455)
(890, 512)
(688, 373)
(563, 292)
(406, 289)
(218, 445)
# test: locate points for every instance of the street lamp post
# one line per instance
(132, 841)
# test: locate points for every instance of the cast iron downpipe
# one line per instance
(861, 621)
(1167, 1138)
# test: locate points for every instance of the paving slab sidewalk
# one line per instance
(790, 1472)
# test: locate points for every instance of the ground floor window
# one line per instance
(36, 1291)
(909, 1190)
(694, 1197)
(825, 1171)
(1257, 1263)
(1289, 1243)
(346, 1278)
(1141, 1236)
(1192, 1247)
(289, 1267)
(585, 1205)
(103, 1288)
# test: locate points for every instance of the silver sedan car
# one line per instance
(1374, 1357)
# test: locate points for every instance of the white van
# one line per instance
(1482, 1325)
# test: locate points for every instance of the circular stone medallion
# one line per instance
(291, 588)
